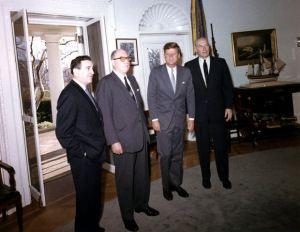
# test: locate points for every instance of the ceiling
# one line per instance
(40, 30)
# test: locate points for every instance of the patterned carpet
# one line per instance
(265, 197)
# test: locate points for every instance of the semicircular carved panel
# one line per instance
(163, 17)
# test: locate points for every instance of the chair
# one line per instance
(9, 196)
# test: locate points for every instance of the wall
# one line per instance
(127, 18)
(235, 15)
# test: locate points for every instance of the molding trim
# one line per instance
(163, 18)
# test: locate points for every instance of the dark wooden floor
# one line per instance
(60, 211)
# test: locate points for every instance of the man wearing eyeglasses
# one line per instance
(118, 96)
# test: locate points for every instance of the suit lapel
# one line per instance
(86, 97)
(122, 87)
(179, 79)
(136, 90)
(211, 69)
(198, 70)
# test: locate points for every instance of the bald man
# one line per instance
(213, 108)
(118, 96)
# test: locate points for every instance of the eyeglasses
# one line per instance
(123, 59)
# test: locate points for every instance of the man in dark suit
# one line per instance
(170, 95)
(118, 96)
(79, 129)
(214, 100)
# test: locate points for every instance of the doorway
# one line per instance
(43, 53)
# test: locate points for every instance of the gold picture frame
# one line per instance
(248, 45)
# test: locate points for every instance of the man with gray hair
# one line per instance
(214, 101)
(118, 96)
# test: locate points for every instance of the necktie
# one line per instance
(173, 80)
(129, 89)
(205, 69)
(91, 97)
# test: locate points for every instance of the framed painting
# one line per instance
(130, 46)
(249, 46)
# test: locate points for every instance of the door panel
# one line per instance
(26, 87)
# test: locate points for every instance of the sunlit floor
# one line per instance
(54, 160)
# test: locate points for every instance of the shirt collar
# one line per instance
(202, 59)
(169, 68)
(120, 75)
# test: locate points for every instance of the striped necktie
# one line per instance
(173, 80)
(129, 89)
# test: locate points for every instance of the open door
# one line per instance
(95, 44)
(26, 88)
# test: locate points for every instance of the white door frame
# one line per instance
(37, 194)
(57, 21)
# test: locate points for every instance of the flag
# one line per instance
(198, 21)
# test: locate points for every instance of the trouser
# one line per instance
(170, 145)
(132, 181)
(87, 181)
(215, 134)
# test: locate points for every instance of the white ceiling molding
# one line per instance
(163, 18)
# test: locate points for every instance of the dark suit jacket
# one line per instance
(164, 104)
(79, 126)
(124, 119)
(211, 101)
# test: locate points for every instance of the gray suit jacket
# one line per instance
(124, 119)
(164, 104)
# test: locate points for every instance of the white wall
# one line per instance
(235, 15)
(227, 17)
(127, 18)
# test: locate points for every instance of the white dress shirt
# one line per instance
(201, 61)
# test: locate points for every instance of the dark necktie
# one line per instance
(129, 89)
(205, 69)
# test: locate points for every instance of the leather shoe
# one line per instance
(100, 229)
(167, 194)
(131, 225)
(181, 192)
(227, 184)
(148, 211)
(206, 184)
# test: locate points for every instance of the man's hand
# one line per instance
(117, 148)
(228, 114)
(190, 125)
(156, 125)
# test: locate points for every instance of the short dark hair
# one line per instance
(76, 63)
(172, 45)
